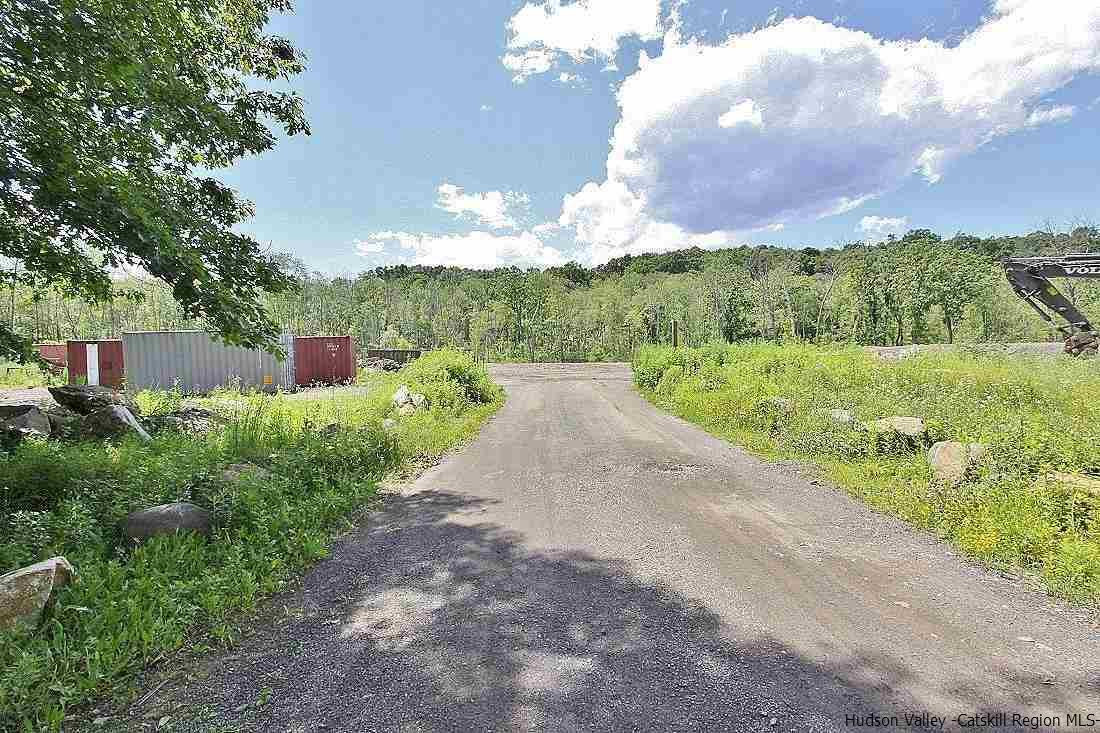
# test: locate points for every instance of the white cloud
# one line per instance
(474, 249)
(566, 78)
(1043, 115)
(486, 108)
(527, 63)
(611, 221)
(805, 119)
(882, 225)
(545, 33)
(744, 112)
(366, 247)
(494, 209)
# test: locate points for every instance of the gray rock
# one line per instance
(842, 417)
(166, 519)
(389, 424)
(236, 471)
(63, 423)
(86, 400)
(951, 460)
(26, 593)
(418, 400)
(9, 411)
(406, 409)
(30, 421)
(910, 427)
(112, 422)
(401, 396)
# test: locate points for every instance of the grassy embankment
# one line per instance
(1038, 415)
(131, 605)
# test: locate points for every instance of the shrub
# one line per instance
(453, 377)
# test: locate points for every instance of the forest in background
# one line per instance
(919, 288)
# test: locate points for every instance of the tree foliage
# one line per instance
(915, 289)
(111, 114)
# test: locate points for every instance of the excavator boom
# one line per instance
(1030, 278)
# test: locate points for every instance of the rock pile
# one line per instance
(380, 364)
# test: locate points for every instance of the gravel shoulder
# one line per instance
(592, 563)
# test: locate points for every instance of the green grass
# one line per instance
(23, 376)
(1037, 415)
(131, 605)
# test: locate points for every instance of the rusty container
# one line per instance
(323, 360)
(95, 362)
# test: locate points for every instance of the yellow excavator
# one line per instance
(1030, 278)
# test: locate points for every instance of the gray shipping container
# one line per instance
(197, 362)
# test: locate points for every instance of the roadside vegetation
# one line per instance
(22, 376)
(312, 461)
(1037, 415)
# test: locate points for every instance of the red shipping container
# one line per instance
(56, 354)
(323, 360)
(106, 365)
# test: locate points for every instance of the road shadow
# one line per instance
(428, 619)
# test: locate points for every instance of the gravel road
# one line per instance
(590, 563)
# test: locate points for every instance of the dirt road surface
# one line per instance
(590, 563)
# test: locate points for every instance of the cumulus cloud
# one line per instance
(474, 249)
(1043, 115)
(366, 247)
(542, 34)
(882, 225)
(494, 209)
(611, 221)
(744, 112)
(804, 119)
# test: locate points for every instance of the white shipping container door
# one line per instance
(93, 363)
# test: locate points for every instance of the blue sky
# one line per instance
(480, 132)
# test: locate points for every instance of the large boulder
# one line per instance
(25, 420)
(26, 593)
(172, 518)
(908, 427)
(112, 422)
(85, 400)
(402, 396)
(951, 460)
(898, 434)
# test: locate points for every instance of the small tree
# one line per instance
(108, 108)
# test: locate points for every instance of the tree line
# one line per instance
(919, 288)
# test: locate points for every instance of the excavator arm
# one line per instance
(1030, 278)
